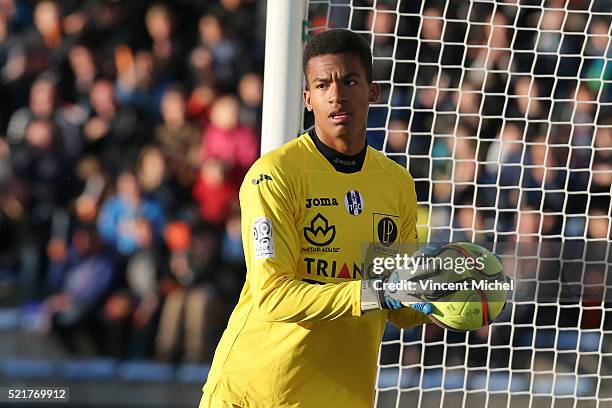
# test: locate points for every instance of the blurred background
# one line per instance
(126, 128)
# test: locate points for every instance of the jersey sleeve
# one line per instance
(408, 233)
(269, 201)
(407, 317)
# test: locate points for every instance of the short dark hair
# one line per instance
(338, 41)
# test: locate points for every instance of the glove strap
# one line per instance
(370, 298)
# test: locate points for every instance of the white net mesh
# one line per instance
(502, 112)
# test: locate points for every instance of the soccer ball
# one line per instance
(480, 272)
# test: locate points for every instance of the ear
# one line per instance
(307, 103)
(374, 92)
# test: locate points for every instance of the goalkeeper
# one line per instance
(306, 330)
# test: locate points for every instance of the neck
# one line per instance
(350, 145)
(343, 163)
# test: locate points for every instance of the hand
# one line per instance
(423, 307)
(57, 303)
(145, 309)
(374, 298)
(96, 128)
(385, 292)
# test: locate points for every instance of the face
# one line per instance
(127, 187)
(173, 107)
(339, 95)
(102, 97)
(42, 97)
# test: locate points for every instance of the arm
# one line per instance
(272, 249)
(107, 222)
(407, 317)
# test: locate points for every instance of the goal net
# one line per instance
(501, 111)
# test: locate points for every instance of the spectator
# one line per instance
(598, 48)
(103, 25)
(179, 140)
(529, 224)
(42, 169)
(603, 143)
(397, 142)
(510, 144)
(130, 313)
(153, 178)
(601, 179)
(549, 41)
(166, 52)
(43, 43)
(228, 140)
(468, 223)
(468, 101)
(232, 253)
(239, 18)
(43, 105)
(42, 185)
(137, 84)
(232, 258)
(599, 225)
(382, 21)
(87, 203)
(431, 44)
(250, 91)
(224, 51)
(190, 303)
(84, 69)
(116, 135)
(11, 219)
(8, 58)
(200, 102)
(541, 179)
(5, 165)
(127, 219)
(214, 192)
(524, 102)
(82, 276)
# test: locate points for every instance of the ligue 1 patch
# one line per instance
(262, 238)
(353, 202)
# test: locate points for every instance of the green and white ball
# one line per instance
(466, 310)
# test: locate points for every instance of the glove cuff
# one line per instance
(370, 297)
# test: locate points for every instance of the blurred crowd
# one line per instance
(502, 113)
(126, 128)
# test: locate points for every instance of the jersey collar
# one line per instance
(341, 162)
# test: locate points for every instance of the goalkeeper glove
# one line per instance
(375, 296)
(376, 293)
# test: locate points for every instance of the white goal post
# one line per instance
(502, 112)
(282, 109)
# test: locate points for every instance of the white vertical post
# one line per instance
(282, 73)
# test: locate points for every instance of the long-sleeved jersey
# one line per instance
(298, 337)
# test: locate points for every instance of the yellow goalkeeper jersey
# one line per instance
(297, 337)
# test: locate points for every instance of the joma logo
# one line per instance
(321, 202)
(261, 178)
